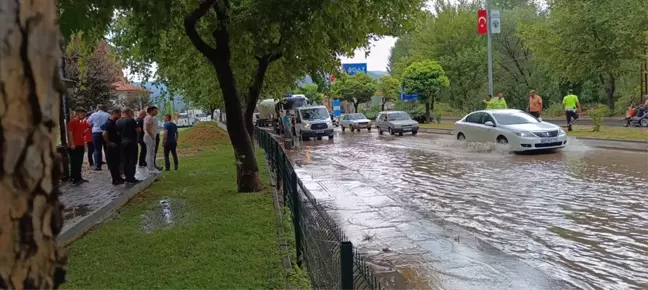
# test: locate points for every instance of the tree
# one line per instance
(427, 79)
(357, 89)
(139, 101)
(311, 91)
(246, 39)
(30, 87)
(595, 45)
(390, 88)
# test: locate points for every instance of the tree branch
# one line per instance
(190, 22)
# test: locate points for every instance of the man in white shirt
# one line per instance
(95, 121)
(150, 131)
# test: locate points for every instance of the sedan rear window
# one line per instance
(515, 118)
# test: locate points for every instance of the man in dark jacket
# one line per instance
(128, 133)
(113, 141)
(140, 124)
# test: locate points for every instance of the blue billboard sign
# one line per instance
(408, 97)
(336, 108)
(353, 68)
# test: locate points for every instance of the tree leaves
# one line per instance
(357, 89)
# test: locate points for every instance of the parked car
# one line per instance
(396, 122)
(355, 121)
(314, 121)
(518, 129)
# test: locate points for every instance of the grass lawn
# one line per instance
(619, 133)
(214, 238)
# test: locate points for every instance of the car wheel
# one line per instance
(644, 122)
(331, 137)
(352, 129)
(390, 131)
(380, 131)
(319, 138)
(461, 137)
(342, 128)
(369, 129)
(502, 140)
(304, 138)
(414, 132)
(400, 134)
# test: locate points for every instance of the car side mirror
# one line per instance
(489, 124)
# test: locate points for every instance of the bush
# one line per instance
(554, 110)
(597, 114)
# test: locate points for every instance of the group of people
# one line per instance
(118, 133)
(571, 105)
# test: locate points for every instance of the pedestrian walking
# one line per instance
(111, 138)
(170, 142)
(572, 108)
(140, 140)
(87, 136)
(535, 104)
(150, 131)
(129, 135)
(76, 143)
(96, 121)
(489, 102)
(499, 102)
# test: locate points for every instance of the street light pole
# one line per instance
(490, 50)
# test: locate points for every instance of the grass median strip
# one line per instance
(189, 230)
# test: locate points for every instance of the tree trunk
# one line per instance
(427, 112)
(30, 87)
(382, 106)
(609, 91)
(255, 90)
(247, 170)
(355, 106)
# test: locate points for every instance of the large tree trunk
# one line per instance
(220, 57)
(382, 106)
(427, 112)
(255, 91)
(355, 106)
(610, 88)
(30, 87)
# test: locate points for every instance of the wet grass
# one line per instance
(617, 133)
(442, 125)
(229, 242)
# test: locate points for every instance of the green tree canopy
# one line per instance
(311, 91)
(390, 88)
(356, 89)
(427, 79)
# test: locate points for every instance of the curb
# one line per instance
(630, 145)
(76, 230)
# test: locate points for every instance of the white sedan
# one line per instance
(521, 131)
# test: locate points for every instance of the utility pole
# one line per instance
(490, 49)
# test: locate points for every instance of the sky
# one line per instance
(378, 54)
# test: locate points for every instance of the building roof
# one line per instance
(122, 86)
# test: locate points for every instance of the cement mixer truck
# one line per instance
(267, 113)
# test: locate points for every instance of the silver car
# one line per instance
(356, 121)
(396, 122)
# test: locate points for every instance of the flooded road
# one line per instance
(471, 216)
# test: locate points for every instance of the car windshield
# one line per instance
(515, 118)
(357, 117)
(200, 115)
(314, 114)
(398, 116)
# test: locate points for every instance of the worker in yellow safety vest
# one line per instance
(499, 102)
(489, 102)
(572, 108)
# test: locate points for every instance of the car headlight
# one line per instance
(328, 122)
(561, 132)
(524, 134)
(306, 126)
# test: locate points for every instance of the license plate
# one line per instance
(319, 132)
(407, 129)
(549, 140)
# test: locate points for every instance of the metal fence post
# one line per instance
(279, 169)
(296, 216)
(346, 266)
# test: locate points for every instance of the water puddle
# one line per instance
(81, 210)
(166, 214)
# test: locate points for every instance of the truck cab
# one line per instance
(314, 122)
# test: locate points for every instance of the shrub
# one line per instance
(597, 114)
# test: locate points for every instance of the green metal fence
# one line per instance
(321, 246)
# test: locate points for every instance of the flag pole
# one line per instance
(490, 50)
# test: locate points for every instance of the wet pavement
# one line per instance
(81, 200)
(451, 215)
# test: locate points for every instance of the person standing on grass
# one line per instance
(96, 121)
(129, 135)
(170, 142)
(499, 102)
(87, 136)
(535, 104)
(489, 102)
(572, 108)
(112, 140)
(140, 140)
(76, 143)
(150, 131)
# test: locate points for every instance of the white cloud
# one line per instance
(378, 58)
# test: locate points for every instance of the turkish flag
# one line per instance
(482, 23)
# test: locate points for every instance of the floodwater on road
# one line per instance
(457, 214)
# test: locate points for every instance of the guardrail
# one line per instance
(321, 246)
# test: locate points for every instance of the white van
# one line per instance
(314, 121)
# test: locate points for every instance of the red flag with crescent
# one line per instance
(482, 23)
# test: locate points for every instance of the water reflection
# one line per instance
(578, 214)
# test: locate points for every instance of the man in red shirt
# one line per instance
(76, 143)
(88, 141)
